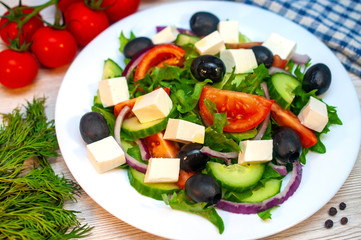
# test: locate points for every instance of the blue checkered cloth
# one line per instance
(336, 22)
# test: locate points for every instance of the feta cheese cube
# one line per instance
(243, 59)
(113, 91)
(183, 131)
(255, 151)
(167, 35)
(229, 31)
(105, 154)
(314, 115)
(162, 170)
(280, 45)
(152, 106)
(210, 44)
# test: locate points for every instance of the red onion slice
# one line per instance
(180, 30)
(264, 125)
(280, 169)
(300, 58)
(143, 150)
(273, 70)
(278, 199)
(132, 162)
(133, 63)
(212, 153)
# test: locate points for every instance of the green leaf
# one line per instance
(180, 202)
(266, 214)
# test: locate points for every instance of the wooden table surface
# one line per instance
(109, 227)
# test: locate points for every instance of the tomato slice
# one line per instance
(183, 177)
(161, 148)
(279, 62)
(244, 111)
(156, 56)
(287, 118)
(243, 45)
(130, 103)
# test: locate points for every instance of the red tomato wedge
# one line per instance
(161, 148)
(156, 56)
(130, 103)
(287, 118)
(244, 111)
(279, 62)
(183, 177)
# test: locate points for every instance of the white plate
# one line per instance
(323, 174)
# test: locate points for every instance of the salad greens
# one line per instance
(185, 92)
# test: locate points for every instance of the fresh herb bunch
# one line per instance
(32, 196)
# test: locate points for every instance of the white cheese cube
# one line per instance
(152, 106)
(105, 154)
(280, 45)
(183, 131)
(253, 151)
(113, 91)
(167, 35)
(229, 31)
(243, 60)
(162, 170)
(210, 44)
(314, 115)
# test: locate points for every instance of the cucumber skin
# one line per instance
(159, 125)
(223, 174)
(271, 188)
(152, 190)
(111, 69)
(291, 84)
(183, 39)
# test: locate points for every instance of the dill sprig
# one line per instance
(32, 198)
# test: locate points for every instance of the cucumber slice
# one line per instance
(152, 190)
(111, 69)
(183, 39)
(135, 129)
(263, 192)
(236, 177)
(281, 87)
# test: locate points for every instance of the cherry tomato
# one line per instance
(17, 69)
(9, 29)
(118, 9)
(64, 4)
(287, 118)
(279, 62)
(244, 111)
(161, 148)
(165, 53)
(53, 47)
(84, 23)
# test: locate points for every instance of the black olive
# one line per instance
(136, 45)
(191, 158)
(263, 55)
(93, 127)
(203, 188)
(208, 67)
(287, 146)
(203, 23)
(317, 77)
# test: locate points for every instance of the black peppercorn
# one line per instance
(342, 206)
(332, 211)
(329, 223)
(344, 220)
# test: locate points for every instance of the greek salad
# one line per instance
(206, 119)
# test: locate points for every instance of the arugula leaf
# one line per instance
(267, 213)
(123, 40)
(180, 202)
